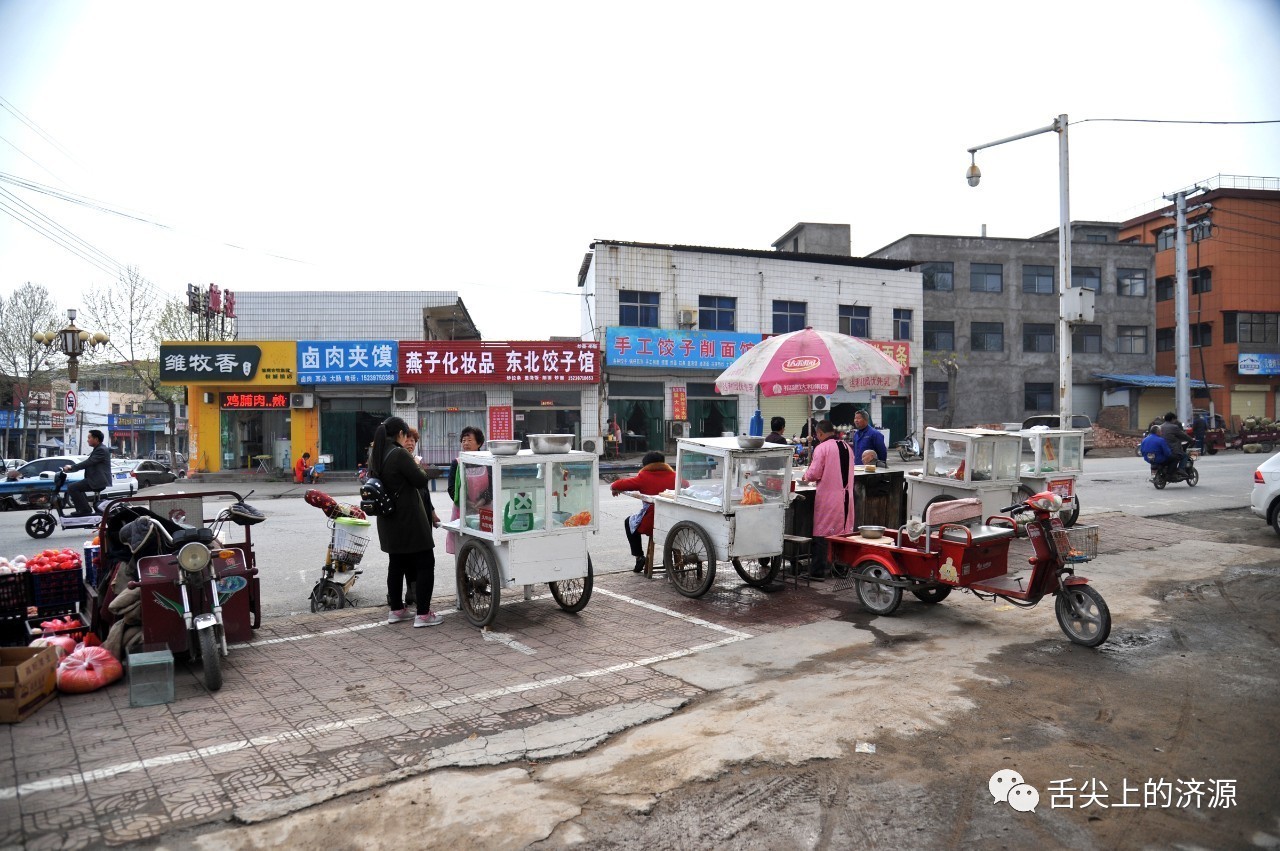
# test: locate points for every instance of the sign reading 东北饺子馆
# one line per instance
(1257, 363)
(675, 349)
(347, 361)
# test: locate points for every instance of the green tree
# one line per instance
(28, 310)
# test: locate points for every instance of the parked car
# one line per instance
(12, 463)
(1264, 501)
(149, 473)
(1078, 421)
(44, 468)
(175, 461)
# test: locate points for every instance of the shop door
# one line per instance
(711, 418)
(893, 416)
(641, 423)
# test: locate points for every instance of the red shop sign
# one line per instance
(498, 363)
(254, 401)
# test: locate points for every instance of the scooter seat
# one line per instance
(981, 535)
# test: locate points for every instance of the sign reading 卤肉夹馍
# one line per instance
(679, 349)
(347, 361)
(499, 362)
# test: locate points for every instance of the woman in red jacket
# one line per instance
(655, 476)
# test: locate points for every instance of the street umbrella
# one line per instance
(809, 362)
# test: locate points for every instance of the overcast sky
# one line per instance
(482, 146)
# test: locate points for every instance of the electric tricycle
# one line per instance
(953, 548)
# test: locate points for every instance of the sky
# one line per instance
(482, 147)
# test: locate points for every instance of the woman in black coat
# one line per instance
(405, 534)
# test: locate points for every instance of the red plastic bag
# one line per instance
(88, 669)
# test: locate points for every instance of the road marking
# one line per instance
(669, 613)
(503, 638)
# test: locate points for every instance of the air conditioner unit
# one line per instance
(404, 395)
(302, 400)
(688, 319)
(820, 403)
(678, 429)
(590, 445)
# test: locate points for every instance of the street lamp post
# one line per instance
(973, 175)
(72, 341)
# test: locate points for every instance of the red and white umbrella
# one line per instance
(810, 362)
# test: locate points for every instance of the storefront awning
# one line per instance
(1165, 381)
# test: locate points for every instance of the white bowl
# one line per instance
(748, 442)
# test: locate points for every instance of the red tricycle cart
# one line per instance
(953, 548)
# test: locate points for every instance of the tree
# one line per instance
(950, 367)
(28, 310)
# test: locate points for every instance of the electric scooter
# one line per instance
(42, 523)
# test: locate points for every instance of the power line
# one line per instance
(102, 254)
(82, 200)
(37, 128)
(33, 159)
(54, 237)
(1172, 121)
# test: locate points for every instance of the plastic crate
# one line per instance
(92, 564)
(150, 676)
(15, 595)
(57, 590)
(77, 632)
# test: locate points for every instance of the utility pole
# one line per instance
(1181, 309)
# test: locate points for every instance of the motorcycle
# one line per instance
(44, 521)
(185, 569)
(909, 448)
(1163, 474)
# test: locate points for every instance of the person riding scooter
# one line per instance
(1173, 432)
(1154, 449)
(97, 474)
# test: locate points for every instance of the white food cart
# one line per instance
(1056, 459)
(963, 463)
(533, 529)
(729, 505)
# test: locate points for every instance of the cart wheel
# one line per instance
(1211, 450)
(1267, 446)
(478, 583)
(40, 525)
(1158, 479)
(689, 559)
(326, 596)
(758, 573)
(932, 596)
(877, 598)
(1194, 478)
(210, 659)
(573, 594)
(1090, 624)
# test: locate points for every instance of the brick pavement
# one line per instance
(319, 704)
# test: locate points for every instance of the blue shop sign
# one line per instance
(347, 361)
(675, 349)
(10, 419)
(1258, 364)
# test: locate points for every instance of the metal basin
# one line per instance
(503, 447)
(746, 442)
(550, 444)
(870, 532)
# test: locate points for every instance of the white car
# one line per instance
(1265, 499)
(122, 484)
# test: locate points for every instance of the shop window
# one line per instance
(855, 320)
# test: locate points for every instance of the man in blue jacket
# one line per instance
(865, 437)
(97, 474)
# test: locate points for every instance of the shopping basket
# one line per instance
(1077, 544)
(350, 538)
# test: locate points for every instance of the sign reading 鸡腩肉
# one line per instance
(551, 362)
(675, 349)
(347, 361)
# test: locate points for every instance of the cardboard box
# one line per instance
(28, 680)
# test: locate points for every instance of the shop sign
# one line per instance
(346, 362)
(1258, 364)
(500, 423)
(498, 363)
(134, 422)
(10, 419)
(678, 349)
(898, 350)
(219, 363)
(272, 401)
(679, 403)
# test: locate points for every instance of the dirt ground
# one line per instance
(1192, 699)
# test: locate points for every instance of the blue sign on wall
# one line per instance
(678, 349)
(1258, 364)
(347, 361)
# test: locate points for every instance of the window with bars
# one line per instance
(986, 277)
(1037, 279)
(855, 320)
(901, 324)
(939, 336)
(938, 277)
(638, 309)
(1088, 277)
(1131, 282)
(986, 337)
(1086, 339)
(717, 313)
(788, 316)
(936, 395)
(1037, 396)
(1037, 337)
(1131, 339)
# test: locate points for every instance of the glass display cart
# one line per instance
(729, 505)
(963, 463)
(1056, 459)
(529, 526)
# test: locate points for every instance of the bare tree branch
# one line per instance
(28, 310)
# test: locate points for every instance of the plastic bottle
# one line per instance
(757, 424)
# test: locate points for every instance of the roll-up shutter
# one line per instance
(790, 408)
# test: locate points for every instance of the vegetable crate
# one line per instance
(57, 591)
(14, 595)
(75, 630)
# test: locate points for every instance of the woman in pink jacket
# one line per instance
(832, 468)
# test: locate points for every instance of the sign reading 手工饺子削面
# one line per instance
(347, 361)
(549, 362)
(675, 349)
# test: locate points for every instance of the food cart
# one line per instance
(1056, 459)
(729, 505)
(530, 526)
(960, 463)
